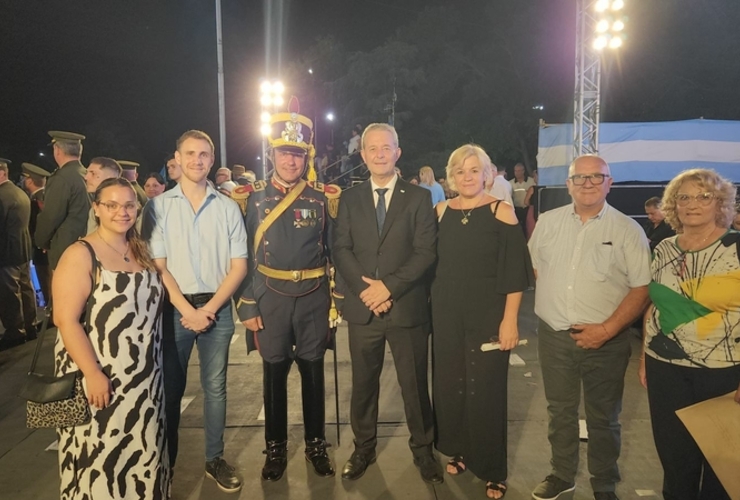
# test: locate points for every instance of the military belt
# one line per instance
(300, 275)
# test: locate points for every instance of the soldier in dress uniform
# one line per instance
(33, 182)
(285, 300)
(17, 300)
(66, 204)
(131, 174)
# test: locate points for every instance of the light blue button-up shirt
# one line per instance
(198, 245)
(584, 270)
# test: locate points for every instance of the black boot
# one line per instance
(276, 418)
(312, 382)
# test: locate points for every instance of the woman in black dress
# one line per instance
(482, 270)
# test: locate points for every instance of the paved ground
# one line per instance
(28, 468)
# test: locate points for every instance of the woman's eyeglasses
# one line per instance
(702, 199)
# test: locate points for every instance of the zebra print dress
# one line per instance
(121, 453)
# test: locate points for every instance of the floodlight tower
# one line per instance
(271, 98)
(599, 25)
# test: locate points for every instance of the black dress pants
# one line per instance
(17, 301)
(410, 348)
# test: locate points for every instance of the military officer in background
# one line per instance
(66, 204)
(33, 182)
(131, 173)
(17, 301)
(285, 299)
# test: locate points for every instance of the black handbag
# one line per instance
(53, 402)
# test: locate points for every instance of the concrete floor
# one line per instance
(28, 468)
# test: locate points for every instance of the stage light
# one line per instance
(600, 42)
(265, 87)
(618, 25)
(265, 117)
(278, 88)
(602, 26)
(617, 4)
(265, 129)
(310, 71)
(330, 117)
(615, 42)
(266, 100)
(601, 5)
(278, 101)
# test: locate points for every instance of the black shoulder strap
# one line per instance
(88, 307)
(495, 209)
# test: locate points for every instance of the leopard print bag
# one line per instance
(66, 412)
(53, 402)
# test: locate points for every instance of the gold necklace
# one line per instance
(466, 216)
(124, 254)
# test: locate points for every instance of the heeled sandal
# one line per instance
(499, 486)
(457, 463)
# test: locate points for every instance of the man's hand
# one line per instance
(375, 294)
(383, 308)
(254, 324)
(589, 336)
(198, 321)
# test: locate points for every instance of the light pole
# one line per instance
(599, 25)
(271, 97)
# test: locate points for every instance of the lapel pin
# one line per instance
(403, 191)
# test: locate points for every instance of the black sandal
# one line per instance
(499, 486)
(458, 464)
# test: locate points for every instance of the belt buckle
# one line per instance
(296, 276)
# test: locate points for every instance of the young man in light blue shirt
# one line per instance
(199, 244)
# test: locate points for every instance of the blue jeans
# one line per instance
(213, 353)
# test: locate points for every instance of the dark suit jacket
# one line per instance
(15, 212)
(66, 206)
(403, 254)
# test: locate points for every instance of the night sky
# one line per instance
(133, 75)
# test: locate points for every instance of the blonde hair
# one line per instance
(722, 189)
(426, 176)
(459, 156)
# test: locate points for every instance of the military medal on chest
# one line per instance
(304, 217)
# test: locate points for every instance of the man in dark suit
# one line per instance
(66, 204)
(33, 182)
(384, 246)
(17, 307)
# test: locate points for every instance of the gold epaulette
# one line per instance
(241, 194)
(332, 193)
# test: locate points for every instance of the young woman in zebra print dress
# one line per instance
(121, 453)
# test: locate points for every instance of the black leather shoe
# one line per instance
(276, 461)
(429, 468)
(316, 454)
(356, 465)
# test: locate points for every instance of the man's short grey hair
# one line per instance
(382, 127)
(69, 148)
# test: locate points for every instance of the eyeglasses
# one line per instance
(702, 199)
(580, 179)
(114, 207)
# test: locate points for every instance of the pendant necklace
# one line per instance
(124, 254)
(466, 216)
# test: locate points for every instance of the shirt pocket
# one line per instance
(600, 262)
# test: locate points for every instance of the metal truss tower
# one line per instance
(587, 95)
